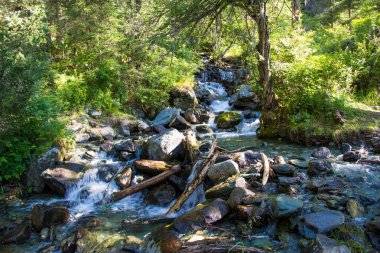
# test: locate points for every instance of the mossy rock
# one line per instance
(228, 120)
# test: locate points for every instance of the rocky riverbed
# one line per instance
(255, 195)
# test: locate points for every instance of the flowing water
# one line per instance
(128, 217)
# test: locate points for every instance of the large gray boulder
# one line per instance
(183, 97)
(44, 216)
(221, 171)
(320, 223)
(322, 153)
(60, 179)
(164, 147)
(166, 116)
(245, 99)
(36, 166)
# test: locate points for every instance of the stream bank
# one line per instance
(326, 198)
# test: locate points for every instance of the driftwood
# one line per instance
(201, 168)
(265, 162)
(219, 245)
(145, 184)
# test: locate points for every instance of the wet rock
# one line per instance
(316, 167)
(321, 222)
(247, 158)
(298, 163)
(285, 206)
(151, 167)
(225, 188)
(333, 187)
(373, 232)
(164, 147)
(48, 216)
(108, 133)
(89, 155)
(239, 196)
(107, 171)
(279, 160)
(204, 117)
(228, 120)
(284, 169)
(44, 234)
(204, 129)
(127, 146)
(200, 216)
(245, 99)
(179, 123)
(351, 156)
(164, 239)
(161, 195)
(183, 97)
(289, 180)
(323, 244)
(221, 171)
(258, 216)
(190, 116)
(166, 116)
(107, 146)
(376, 144)
(60, 179)
(126, 156)
(18, 234)
(354, 208)
(124, 178)
(346, 148)
(321, 153)
(36, 166)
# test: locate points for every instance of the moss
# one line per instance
(228, 119)
(351, 236)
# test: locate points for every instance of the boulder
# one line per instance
(183, 97)
(351, 156)
(285, 206)
(321, 153)
(128, 146)
(107, 171)
(18, 234)
(346, 148)
(142, 126)
(108, 133)
(373, 232)
(204, 129)
(245, 99)
(151, 167)
(354, 208)
(228, 120)
(190, 116)
(289, 180)
(247, 158)
(376, 144)
(239, 196)
(166, 116)
(320, 222)
(164, 147)
(284, 169)
(38, 165)
(323, 244)
(49, 216)
(82, 137)
(179, 123)
(60, 179)
(161, 195)
(200, 217)
(316, 167)
(224, 189)
(124, 178)
(334, 186)
(298, 163)
(221, 171)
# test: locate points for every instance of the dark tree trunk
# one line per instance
(296, 11)
(263, 51)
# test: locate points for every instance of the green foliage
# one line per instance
(29, 122)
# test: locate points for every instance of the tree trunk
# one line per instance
(296, 11)
(263, 50)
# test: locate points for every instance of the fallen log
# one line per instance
(145, 184)
(199, 173)
(265, 162)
